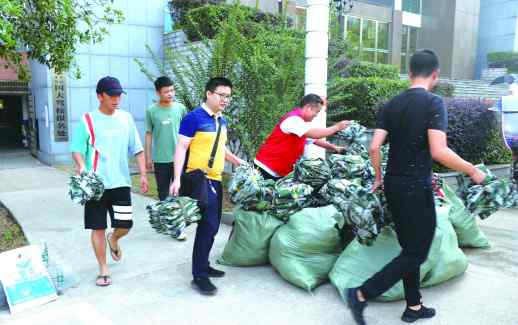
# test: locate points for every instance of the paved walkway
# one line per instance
(151, 283)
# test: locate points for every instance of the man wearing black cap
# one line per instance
(101, 143)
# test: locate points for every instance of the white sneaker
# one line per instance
(181, 237)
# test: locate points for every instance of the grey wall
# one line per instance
(437, 31)
(497, 29)
(385, 3)
(368, 10)
(41, 91)
(114, 56)
(450, 28)
(465, 33)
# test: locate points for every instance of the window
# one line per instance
(368, 34)
(369, 38)
(353, 32)
(383, 36)
(409, 38)
(413, 6)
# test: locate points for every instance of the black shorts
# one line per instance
(117, 203)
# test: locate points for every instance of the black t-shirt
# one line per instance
(407, 119)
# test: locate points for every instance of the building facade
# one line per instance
(390, 31)
(498, 29)
(53, 104)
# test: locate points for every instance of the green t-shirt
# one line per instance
(116, 137)
(164, 123)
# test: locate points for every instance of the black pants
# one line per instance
(164, 175)
(265, 174)
(411, 204)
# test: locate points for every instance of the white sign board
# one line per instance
(25, 279)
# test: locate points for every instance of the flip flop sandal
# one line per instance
(103, 280)
(115, 253)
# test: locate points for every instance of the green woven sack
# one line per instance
(358, 263)
(464, 223)
(305, 249)
(248, 245)
(451, 261)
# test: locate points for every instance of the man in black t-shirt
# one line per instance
(414, 123)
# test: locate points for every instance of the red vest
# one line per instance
(280, 151)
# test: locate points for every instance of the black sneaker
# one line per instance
(355, 305)
(411, 316)
(213, 273)
(204, 286)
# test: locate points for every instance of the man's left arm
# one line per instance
(233, 159)
(378, 140)
(328, 146)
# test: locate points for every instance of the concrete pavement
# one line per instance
(151, 285)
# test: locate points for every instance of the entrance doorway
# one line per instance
(17, 118)
(13, 133)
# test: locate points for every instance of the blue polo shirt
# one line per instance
(200, 125)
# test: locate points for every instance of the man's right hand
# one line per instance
(478, 176)
(174, 189)
(80, 170)
(149, 165)
(342, 125)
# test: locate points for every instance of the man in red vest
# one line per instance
(285, 145)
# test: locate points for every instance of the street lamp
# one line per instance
(342, 7)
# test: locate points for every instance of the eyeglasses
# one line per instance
(224, 96)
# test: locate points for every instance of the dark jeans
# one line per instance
(411, 204)
(164, 174)
(207, 229)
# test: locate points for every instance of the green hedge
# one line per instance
(507, 60)
(444, 89)
(501, 56)
(360, 69)
(359, 98)
(204, 22)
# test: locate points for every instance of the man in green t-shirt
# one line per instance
(162, 124)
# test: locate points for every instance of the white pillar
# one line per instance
(317, 26)
(398, 5)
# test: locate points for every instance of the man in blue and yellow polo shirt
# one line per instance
(197, 134)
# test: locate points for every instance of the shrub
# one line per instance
(444, 89)
(360, 69)
(501, 56)
(359, 98)
(474, 133)
(179, 8)
(266, 68)
(204, 22)
(507, 60)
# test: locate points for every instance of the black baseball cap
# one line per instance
(109, 85)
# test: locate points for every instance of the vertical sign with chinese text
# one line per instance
(60, 108)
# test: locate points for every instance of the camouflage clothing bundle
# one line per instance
(357, 149)
(290, 196)
(351, 167)
(314, 172)
(248, 189)
(490, 196)
(365, 212)
(334, 191)
(173, 214)
(85, 187)
(354, 133)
